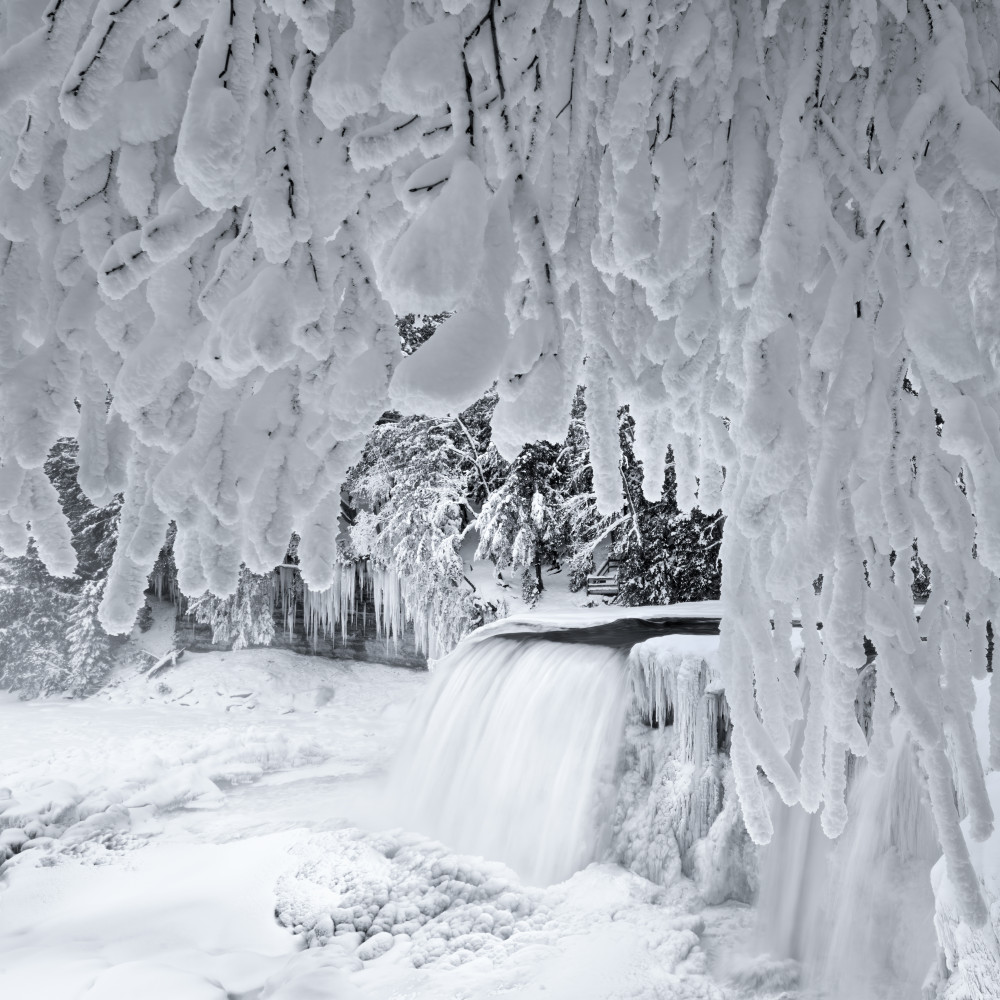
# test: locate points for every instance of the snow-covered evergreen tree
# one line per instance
(89, 648)
(50, 635)
(34, 610)
(542, 512)
(520, 523)
(415, 330)
(666, 556)
(771, 232)
(243, 619)
(418, 487)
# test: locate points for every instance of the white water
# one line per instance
(513, 754)
(857, 914)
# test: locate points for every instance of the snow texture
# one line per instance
(969, 963)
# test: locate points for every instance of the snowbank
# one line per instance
(145, 746)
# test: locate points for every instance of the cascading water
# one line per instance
(513, 754)
(857, 914)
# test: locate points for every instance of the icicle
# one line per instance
(671, 686)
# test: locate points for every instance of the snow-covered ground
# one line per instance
(191, 833)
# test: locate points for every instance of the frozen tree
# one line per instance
(33, 614)
(414, 330)
(88, 647)
(50, 636)
(542, 511)
(520, 523)
(243, 619)
(418, 486)
(771, 230)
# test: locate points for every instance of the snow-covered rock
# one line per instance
(448, 908)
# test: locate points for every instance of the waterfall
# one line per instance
(856, 913)
(513, 754)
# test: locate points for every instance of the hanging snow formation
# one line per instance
(770, 230)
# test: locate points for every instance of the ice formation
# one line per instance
(395, 598)
(200, 201)
(389, 888)
(677, 811)
(513, 754)
(52, 815)
(674, 681)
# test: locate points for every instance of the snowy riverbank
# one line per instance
(177, 818)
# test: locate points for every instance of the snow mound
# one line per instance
(376, 892)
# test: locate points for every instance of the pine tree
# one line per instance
(416, 330)
(245, 619)
(89, 654)
(50, 637)
(34, 609)
(666, 556)
(542, 512)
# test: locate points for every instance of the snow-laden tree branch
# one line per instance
(770, 230)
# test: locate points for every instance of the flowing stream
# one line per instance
(856, 913)
(513, 754)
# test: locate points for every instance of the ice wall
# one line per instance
(514, 754)
(677, 812)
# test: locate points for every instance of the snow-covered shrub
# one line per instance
(531, 586)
